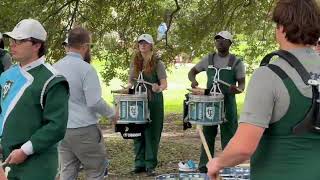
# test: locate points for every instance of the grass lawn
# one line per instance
(177, 84)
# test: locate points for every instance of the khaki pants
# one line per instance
(83, 146)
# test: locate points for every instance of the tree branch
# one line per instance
(170, 19)
(73, 16)
(58, 10)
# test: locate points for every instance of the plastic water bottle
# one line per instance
(162, 29)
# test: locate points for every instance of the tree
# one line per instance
(115, 25)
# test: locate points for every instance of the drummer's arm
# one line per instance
(241, 85)
(163, 84)
(192, 77)
(241, 78)
(241, 147)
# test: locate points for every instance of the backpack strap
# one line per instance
(292, 60)
(232, 60)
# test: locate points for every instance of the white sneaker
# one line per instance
(184, 167)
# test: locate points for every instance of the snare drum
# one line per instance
(206, 110)
(133, 108)
(183, 176)
(235, 173)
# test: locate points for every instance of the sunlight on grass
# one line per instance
(178, 83)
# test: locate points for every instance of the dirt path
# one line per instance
(176, 145)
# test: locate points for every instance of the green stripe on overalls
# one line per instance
(228, 128)
(281, 155)
(146, 147)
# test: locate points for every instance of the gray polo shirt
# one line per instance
(267, 99)
(85, 102)
(221, 62)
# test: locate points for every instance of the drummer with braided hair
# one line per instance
(146, 60)
(231, 70)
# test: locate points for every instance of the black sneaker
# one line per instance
(150, 172)
(137, 170)
(203, 170)
(105, 173)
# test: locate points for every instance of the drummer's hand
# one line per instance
(17, 156)
(234, 89)
(213, 169)
(194, 84)
(155, 87)
(197, 91)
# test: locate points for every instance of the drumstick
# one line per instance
(121, 91)
(205, 145)
(227, 84)
(204, 142)
(3, 163)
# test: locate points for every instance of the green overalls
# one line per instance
(281, 155)
(228, 128)
(146, 146)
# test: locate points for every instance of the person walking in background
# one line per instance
(83, 142)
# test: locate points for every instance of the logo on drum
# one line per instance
(134, 111)
(209, 112)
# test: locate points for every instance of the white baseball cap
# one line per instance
(146, 37)
(28, 28)
(225, 35)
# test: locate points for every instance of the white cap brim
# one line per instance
(17, 36)
(143, 39)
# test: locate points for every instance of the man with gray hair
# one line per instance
(34, 106)
(84, 142)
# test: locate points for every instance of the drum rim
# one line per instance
(204, 98)
(130, 95)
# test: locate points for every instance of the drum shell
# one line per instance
(206, 110)
(133, 108)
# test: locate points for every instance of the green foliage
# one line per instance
(115, 25)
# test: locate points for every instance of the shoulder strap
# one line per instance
(232, 59)
(276, 69)
(292, 60)
(210, 59)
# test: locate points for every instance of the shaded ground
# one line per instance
(176, 145)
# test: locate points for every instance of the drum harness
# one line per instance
(311, 122)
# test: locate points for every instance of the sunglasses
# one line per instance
(318, 43)
(19, 42)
